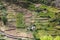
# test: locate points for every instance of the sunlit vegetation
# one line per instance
(46, 13)
(41, 28)
(57, 38)
(46, 37)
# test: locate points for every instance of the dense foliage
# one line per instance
(4, 14)
(2, 37)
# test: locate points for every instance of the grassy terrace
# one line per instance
(46, 27)
(46, 20)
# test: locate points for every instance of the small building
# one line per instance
(31, 28)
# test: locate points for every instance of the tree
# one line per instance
(4, 19)
(4, 15)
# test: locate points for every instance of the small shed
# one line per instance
(31, 28)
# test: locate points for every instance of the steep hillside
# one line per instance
(29, 20)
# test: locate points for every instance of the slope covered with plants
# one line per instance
(36, 16)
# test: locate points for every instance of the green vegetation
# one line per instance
(4, 19)
(4, 15)
(20, 20)
(32, 7)
(46, 18)
(57, 38)
(19, 39)
(2, 37)
(46, 29)
(46, 38)
(45, 13)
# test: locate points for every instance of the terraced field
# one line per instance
(38, 20)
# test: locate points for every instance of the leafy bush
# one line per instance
(4, 19)
(46, 38)
(57, 38)
(2, 37)
(32, 7)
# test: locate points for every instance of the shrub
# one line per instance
(4, 15)
(4, 19)
(57, 38)
(32, 7)
(46, 38)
